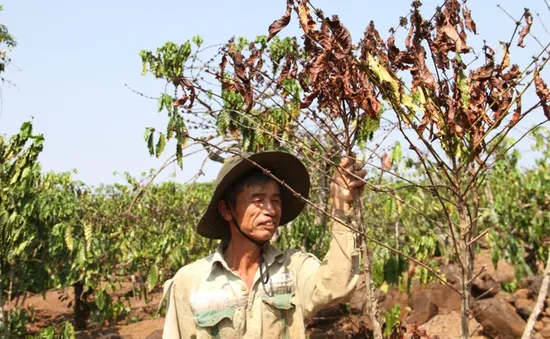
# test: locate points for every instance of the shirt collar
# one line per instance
(271, 254)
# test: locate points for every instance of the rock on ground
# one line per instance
(499, 318)
(448, 326)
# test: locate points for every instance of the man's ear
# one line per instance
(223, 208)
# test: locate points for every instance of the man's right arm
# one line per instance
(179, 321)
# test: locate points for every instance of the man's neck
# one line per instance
(242, 256)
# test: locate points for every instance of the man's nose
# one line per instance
(270, 209)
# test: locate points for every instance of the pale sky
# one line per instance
(74, 58)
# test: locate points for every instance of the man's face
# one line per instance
(258, 210)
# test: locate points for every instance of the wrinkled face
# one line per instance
(257, 210)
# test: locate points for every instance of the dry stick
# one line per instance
(435, 192)
(540, 302)
(412, 184)
(518, 23)
(307, 201)
(377, 189)
(514, 144)
(168, 161)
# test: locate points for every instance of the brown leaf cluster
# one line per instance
(245, 71)
(469, 101)
(544, 95)
(331, 74)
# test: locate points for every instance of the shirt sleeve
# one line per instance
(332, 281)
(179, 321)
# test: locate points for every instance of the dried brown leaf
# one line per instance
(506, 57)
(527, 28)
(470, 23)
(544, 95)
(281, 23)
(306, 20)
(386, 161)
(180, 101)
(284, 72)
(452, 33)
(341, 36)
(516, 117)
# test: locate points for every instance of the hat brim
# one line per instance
(283, 166)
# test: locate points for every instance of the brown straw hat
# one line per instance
(285, 166)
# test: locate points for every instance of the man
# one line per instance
(248, 288)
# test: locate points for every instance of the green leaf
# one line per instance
(197, 39)
(151, 143)
(179, 155)
(161, 143)
(396, 153)
(68, 331)
(463, 86)
(152, 278)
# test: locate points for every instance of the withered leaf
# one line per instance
(307, 22)
(341, 36)
(284, 72)
(470, 23)
(386, 161)
(458, 39)
(517, 112)
(308, 100)
(527, 28)
(544, 95)
(281, 23)
(505, 57)
(180, 101)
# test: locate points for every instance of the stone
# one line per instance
(485, 286)
(498, 318)
(547, 311)
(422, 313)
(539, 325)
(503, 272)
(430, 300)
(448, 326)
(533, 283)
(524, 307)
(545, 332)
(505, 296)
(318, 335)
(155, 335)
(451, 273)
(522, 293)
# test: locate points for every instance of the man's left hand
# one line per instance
(347, 182)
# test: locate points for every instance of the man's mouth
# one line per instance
(268, 224)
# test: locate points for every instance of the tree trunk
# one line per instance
(372, 303)
(540, 302)
(2, 323)
(80, 309)
(467, 256)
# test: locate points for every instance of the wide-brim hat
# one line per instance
(284, 166)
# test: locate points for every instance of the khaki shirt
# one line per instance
(206, 299)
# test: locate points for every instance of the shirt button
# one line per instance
(243, 288)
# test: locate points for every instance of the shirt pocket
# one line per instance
(215, 323)
(277, 314)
